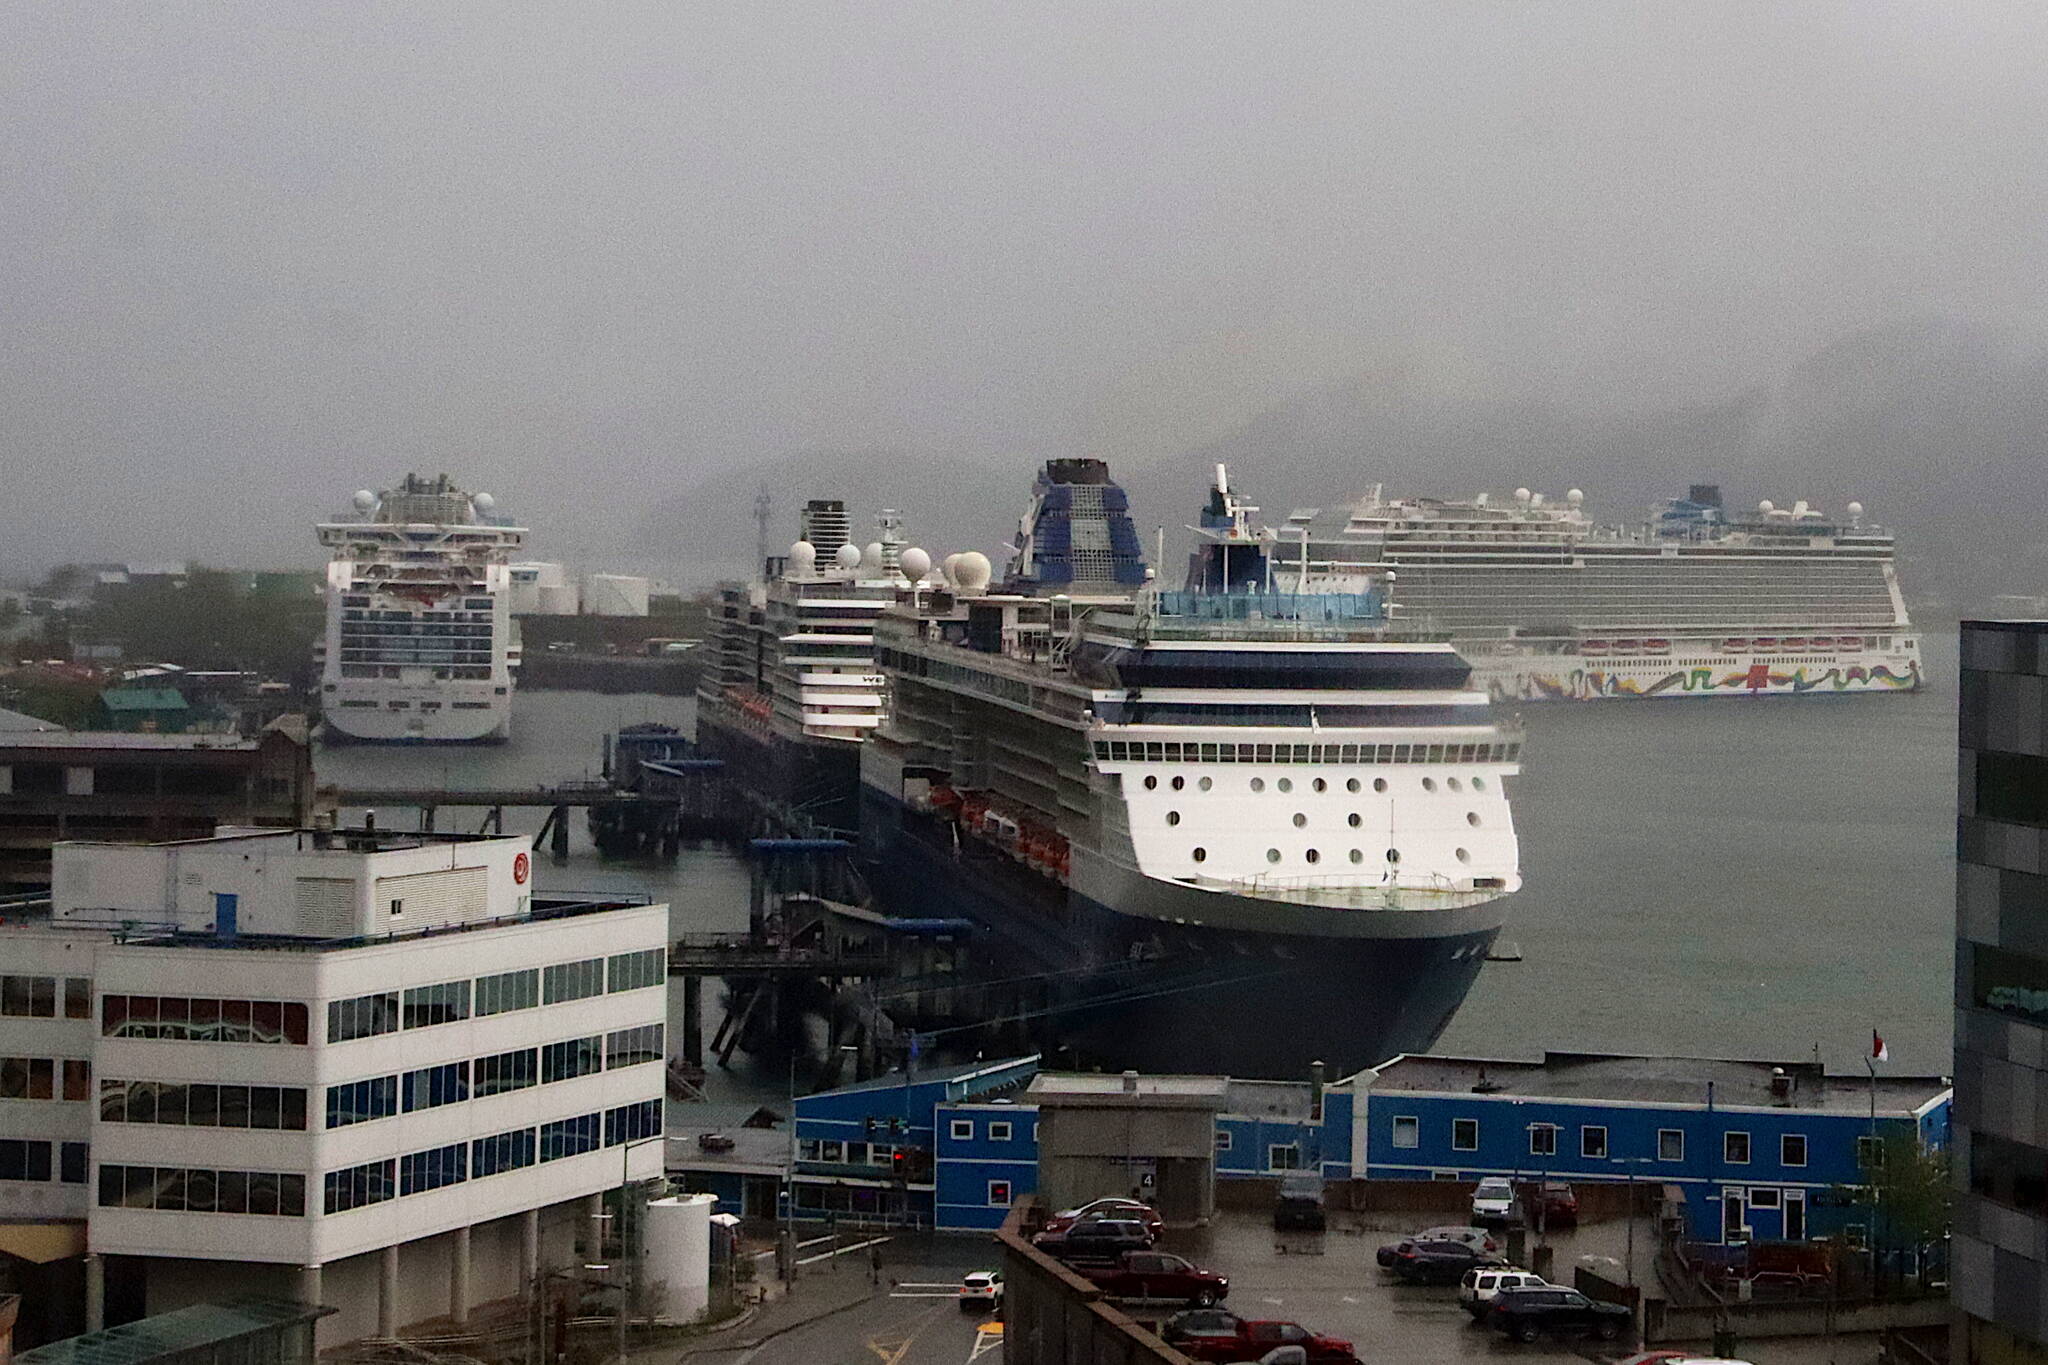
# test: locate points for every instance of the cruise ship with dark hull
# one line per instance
(1230, 831)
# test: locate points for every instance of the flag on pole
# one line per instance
(1878, 1051)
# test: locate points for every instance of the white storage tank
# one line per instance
(678, 1257)
(613, 594)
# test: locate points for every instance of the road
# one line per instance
(912, 1318)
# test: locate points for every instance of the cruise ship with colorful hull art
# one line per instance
(420, 644)
(1228, 831)
(1546, 605)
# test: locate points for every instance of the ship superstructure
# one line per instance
(791, 687)
(420, 646)
(1231, 831)
(1548, 605)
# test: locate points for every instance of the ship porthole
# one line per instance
(1320, 785)
(1285, 784)
(1357, 855)
(1479, 784)
(1258, 784)
(1150, 783)
(1472, 818)
(1352, 785)
(1428, 784)
(1379, 784)
(1201, 855)
(1356, 820)
(1454, 784)
(1173, 817)
(1300, 820)
(1393, 855)
(1272, 855)
(1179, 782)
(1313, 856)
(1205, 784)
(1464, 855)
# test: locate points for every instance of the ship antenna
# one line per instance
(764, 505)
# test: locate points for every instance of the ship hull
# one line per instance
(381, 725)
(1132, 985)
(799, 785)
(1575, 677)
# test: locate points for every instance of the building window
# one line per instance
(203, 1020)
(1407, 1131)
(506, 1071)
(431, 1169)
(1735, 1148)
(503, 1152)
(999, 1194)
(1222, 1139)
(203, 1105)
(1542, 1139)
(961, 1130)
(1792, 1149)
(1870, 1152)
(507, 991)
(998, 1130)
(364, 1016)
(358, 1101)
(1762, 1199)
(1670, 1144)
(77, 997)
(28, 997)
(807, 1149)
(1593, 1141)
(1464, 1135)
(74, 1159)
(631, 1122)
(832, 1150)
(21, 1160)
(632, 1046)
(566, 981)
(575, 1057)
(181, 1190)
(569, 1137)
(397, 908)
(1283, 1156)
(356, 1187)
(2014, 1174)
(445, 1003)
(430, 1087)
(632, 971)
(28, 1078)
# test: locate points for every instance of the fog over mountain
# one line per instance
(620, 264)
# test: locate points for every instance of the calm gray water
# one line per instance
(1736, 877)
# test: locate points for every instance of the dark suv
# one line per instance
(1526, 1314)
(1098, 1239)
(1300, 1206)
(1437, 1262)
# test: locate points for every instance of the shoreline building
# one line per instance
(1999, 1284)
(360, 1068)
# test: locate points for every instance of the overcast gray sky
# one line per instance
(260, 255)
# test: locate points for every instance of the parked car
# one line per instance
(982, 1289)
(1526, 1314)
(1300, 1206)
(1678, 1358)
(1476, 1290)
(1106, 1208)
(1438, 1262)
(1207, 1334)
(1554, 1202)
(1099, 1239)
(1159, 1275)
(1479, 1239)
(1493, 1202)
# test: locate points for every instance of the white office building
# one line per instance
(372, 1070)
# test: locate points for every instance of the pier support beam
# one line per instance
(558, 844)
(693, 1020)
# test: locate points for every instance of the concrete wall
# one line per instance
(1665, 1322)
(1164, 1155)
(1052, 1316)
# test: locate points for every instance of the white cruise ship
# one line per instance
(1547, 605)
(420, 645)
(1229, 831)
(791, 688)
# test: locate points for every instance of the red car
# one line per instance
(1106, 1208)
(1159, 1275)
(1215, 1336)
(1553, 1202)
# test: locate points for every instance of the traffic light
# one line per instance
(870, 1123)
(898, 1163)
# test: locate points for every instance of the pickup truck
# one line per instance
(1213, 1335)
(1158, 1275)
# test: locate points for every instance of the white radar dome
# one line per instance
(915, 564)
(483, 502)
(364, 499)
(848, 556)
(1767, 507)
(1575, 497)
(1522, 495)
(803, 557)
(971, 571)
(948, 565)
(1855, 509)
(871, 557)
